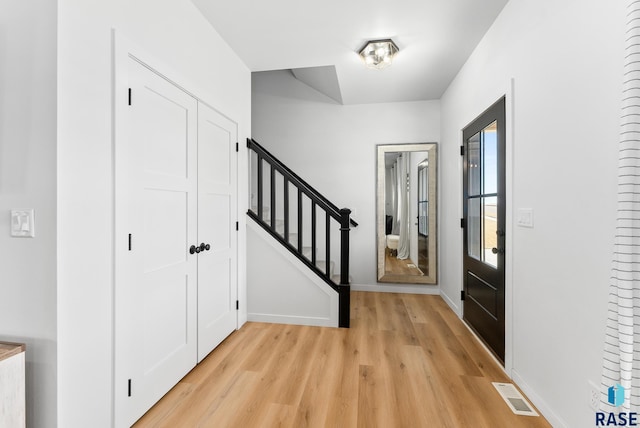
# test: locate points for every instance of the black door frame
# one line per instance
(497, 338)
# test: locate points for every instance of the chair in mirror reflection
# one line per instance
(407, 213)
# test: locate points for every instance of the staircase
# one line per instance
(303, 221)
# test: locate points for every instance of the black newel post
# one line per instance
(345, 289)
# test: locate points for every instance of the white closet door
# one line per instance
(156, 280)
(217, 267)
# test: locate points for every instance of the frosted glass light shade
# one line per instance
(378, 54)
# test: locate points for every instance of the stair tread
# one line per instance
(306, 250)
(336, 279)
(322, 265)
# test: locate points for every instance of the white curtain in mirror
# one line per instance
(392, 176)
(403, 205)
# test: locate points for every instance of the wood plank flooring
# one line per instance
(407, 361)
(394, 266)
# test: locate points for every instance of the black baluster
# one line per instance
(344, 245)
(328, 243)
(313, 233)
(260, 200)
(299, 220)
(273, 197)
(285, 197)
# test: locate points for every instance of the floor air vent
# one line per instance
(514, 399)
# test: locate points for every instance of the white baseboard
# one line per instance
(537, 401)
(397, 288)
(455, 307)
(291, 319)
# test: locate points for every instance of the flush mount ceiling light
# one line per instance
(378, 54)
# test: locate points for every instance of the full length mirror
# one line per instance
(406, 213)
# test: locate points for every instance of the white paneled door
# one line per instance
(217, 265)
(175, 190)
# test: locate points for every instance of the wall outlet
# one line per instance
(594, 396)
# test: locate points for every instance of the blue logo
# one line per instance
(616, 395)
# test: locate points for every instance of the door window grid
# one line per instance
(482, 198)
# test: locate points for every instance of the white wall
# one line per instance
(185, 48)
(566, 61)
(28, 180)
(333, 147)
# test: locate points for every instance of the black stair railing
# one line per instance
(282, 232)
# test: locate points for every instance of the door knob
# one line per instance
(204, 247)
(494, 250)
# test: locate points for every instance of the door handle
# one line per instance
(202, 247)
(494, 250)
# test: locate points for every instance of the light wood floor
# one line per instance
(407, 361)
(394, 266)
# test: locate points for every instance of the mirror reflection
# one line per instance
(406, 213)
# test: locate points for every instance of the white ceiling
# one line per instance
(435, 38)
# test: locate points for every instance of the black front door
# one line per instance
(484, 226)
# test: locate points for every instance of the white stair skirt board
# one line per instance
(281, 289)
(514, 399)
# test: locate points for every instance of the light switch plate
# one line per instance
(23, 223)
(524, 217)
